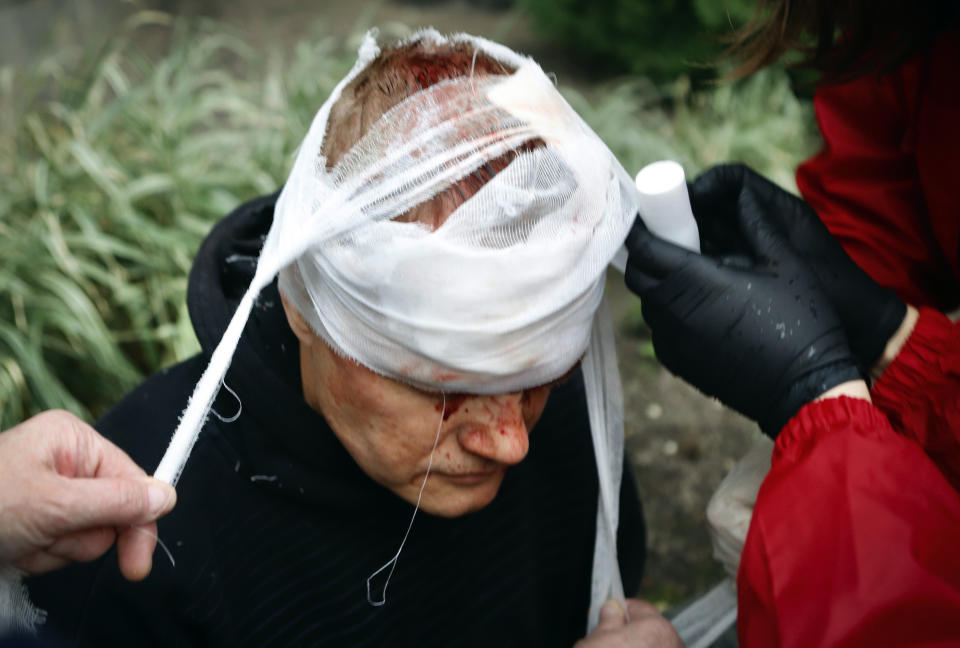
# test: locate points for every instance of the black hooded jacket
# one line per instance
(277, 529)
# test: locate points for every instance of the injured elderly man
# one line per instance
(405, 426)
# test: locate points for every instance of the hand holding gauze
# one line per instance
(66, 493)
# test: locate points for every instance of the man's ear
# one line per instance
(299, 325)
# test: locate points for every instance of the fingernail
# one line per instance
(611, 610)
(161, 497)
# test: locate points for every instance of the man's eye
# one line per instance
(565, 377)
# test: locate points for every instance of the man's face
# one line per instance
(389, 429)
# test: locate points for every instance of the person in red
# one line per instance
(793, 306)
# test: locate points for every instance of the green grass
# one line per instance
(114, 164)
(111, 172)
(758, 121)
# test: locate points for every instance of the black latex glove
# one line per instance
(870, 314)
(753, 329)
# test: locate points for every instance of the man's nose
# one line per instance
(499, 433)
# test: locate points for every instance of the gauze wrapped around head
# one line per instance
(503, 296)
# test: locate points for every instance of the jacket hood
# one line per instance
(222, 270)
(277, 433)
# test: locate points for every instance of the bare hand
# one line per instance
(647, 628)
(66, 493)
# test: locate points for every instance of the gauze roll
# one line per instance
(503, 296)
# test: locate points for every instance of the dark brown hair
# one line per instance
(842, 39)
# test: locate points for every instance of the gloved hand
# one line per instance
(870, 314)
(754, 328)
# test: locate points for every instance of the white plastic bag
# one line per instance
(731, 507)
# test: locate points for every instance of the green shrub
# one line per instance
(111, 172)
(660, 39)
(758, 121)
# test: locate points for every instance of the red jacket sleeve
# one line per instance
(865, 184)
(853, 541)
(920, 391)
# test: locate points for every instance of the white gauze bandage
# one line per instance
(507, 294)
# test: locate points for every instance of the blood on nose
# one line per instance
(500, 433)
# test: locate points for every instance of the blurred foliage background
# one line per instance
(659, 39)
(118, 153)
(113, 166)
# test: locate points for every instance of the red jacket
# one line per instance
(887, 182)
(855, 538)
